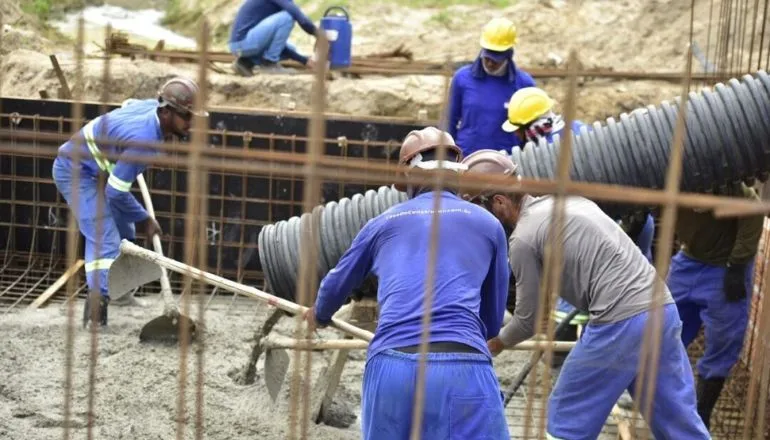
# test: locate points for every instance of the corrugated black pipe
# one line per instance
(727, 141)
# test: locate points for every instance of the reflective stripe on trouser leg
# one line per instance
(603, 363)
(462, 397)
(98, 228)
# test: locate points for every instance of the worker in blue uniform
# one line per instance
(259, 36)
(107, 213)
(603, 272)
(711, 280)
(463, 398)
(480, 92)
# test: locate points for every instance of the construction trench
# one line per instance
(248, 212)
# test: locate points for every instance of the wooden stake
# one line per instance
(58, 284)
(65, 88)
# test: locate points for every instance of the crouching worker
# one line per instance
(470, 287)
(260, 34)
(106, 214)
(605, 274)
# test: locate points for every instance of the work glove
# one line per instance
(735, 282)
(153, 227)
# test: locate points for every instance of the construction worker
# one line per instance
(531, 115)
(469, 295)
(711, 280)
(604, 273)
(107, 214)
(479, 92)
(259, 36)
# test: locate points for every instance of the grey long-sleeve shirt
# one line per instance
(604, 272)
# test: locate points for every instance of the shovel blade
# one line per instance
(276, 365)
(129, 272)
(165, 329)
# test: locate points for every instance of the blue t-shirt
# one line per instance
(471, 278)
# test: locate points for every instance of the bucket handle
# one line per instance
(347, 17)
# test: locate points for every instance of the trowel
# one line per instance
(129, 272)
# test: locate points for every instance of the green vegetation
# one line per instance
(51, 9)
(443, 19)
(39, 8)
(177, 17)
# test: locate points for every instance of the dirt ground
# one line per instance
(656, 33)
(137, 384)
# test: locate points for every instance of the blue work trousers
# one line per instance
(266, 40)
(699, 294)
(605, 362)
(462, 397)
(95, 221)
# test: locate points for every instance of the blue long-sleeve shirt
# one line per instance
(471, 279)
(134, 123)
(478, 106)
(254, 11)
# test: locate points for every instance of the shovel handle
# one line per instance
(252, 292)
(165, 285)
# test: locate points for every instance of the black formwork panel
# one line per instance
(33, 217)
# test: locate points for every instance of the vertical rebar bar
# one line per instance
(430, 279)
(554, 261)
(72, 232)
(651, 341)
(307, 284)
(199, 141)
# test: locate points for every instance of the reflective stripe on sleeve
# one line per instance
(119, 184)
(101, 161)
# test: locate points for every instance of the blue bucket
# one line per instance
(339, 32)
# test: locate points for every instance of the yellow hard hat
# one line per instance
(526, 106)
(498, 35)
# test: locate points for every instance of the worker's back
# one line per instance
(469, 253)
(604, 271)
(102, 136)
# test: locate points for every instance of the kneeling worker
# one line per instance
(469, 293)
(605, 274)
(260, 35)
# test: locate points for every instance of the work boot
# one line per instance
(103, 302)
(243, 67)
(707, 394)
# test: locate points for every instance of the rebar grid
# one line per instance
(22, 263)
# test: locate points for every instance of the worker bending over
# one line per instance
(711, 280)
(470, 287)
(479, 92)
(107, 214)
(531, 115)
(260, 35)
(605, 274)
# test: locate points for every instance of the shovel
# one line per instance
(128, 273)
